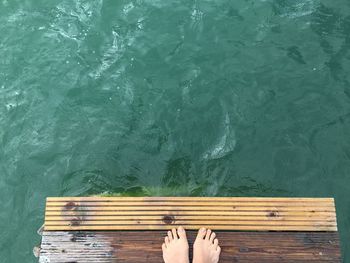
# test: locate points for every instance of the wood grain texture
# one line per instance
(145, 246)
(218, 213)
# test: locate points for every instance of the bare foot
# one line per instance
(175, 246)
(206, 247)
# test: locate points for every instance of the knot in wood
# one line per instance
(243, 249)
(272, 214)
(168, 219)
(69, 205)
(75, 222)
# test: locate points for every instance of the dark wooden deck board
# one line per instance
(145, 246)
(131, 229)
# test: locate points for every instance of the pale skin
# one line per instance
(206, 247)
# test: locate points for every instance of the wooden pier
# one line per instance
(132, 229)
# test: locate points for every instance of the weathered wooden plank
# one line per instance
(81, 207)
(179, 198)
(187, 213)
(114, 213)
(189, 222)
(192, 227)
(144, 246)
(195, 203)
(194, 217)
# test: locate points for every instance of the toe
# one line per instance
(174, 233)
(170, 235)
(212, 236)
(201, 233)
(216, 243)
(181, 232)
(166, 240)
(218, 250)
(208, 234)
(163, 247)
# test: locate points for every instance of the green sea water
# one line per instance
(155, 97)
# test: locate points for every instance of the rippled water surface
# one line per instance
(153, 97)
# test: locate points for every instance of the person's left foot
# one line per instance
(175, 246)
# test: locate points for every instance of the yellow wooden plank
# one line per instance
(193, 227)
(193, 217)
(183, 203)
(197, 199)
(192, 222)
(236, 213)
(177, 212)
(193, 208)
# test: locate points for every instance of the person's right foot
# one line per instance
(206, 247)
